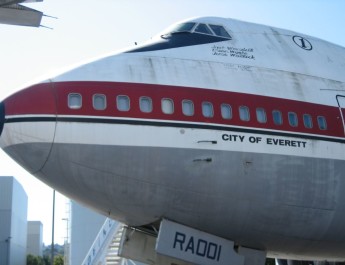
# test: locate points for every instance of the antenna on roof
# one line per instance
(45, 27)
(50, 16)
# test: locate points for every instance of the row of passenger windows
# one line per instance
(167, 106)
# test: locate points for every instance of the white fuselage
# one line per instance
(264, 185)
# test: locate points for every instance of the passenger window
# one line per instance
(207, 109)
(293, 121)
(226, 111)
(244, 113)
(277, 117)
(307, 120)
(122, 103)
(167, 106)
(145, 104)
(261, 115)
(220, 31)
(99, 102)
(203, 28)
(188, 107)
(74, 101)
(322, 123)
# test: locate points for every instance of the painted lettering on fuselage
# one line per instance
(268, 141)
(227, 51)
(197, 246)
(284, 142)
(233, 137)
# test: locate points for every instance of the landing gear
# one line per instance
(181, 245)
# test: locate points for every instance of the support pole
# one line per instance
(53, 219)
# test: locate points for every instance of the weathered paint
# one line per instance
(263, 187)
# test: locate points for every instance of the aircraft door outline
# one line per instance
(341, 105)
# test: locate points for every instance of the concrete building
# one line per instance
(84, 226)
(35, 238)
(87, 227)
(13, 222)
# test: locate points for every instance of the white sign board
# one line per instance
(195, 246)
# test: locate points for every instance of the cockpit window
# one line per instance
(220, 31)
(193, 27)
(184, 27)
(203, 28)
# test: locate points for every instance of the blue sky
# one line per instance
(86, 29)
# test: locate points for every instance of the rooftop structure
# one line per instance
(35, 238)
(13, 222)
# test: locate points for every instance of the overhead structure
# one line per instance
(13, 13)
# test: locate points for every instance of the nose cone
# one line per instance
(27, 133)
(2, 116)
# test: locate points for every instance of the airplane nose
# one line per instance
(27, 133)
(2, 116)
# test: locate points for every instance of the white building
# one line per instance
(84, 227)
(13, 222)
(35, 238)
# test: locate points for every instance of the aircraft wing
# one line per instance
(12, 13)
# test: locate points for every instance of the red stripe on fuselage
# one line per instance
(35, 100)
(157, 92)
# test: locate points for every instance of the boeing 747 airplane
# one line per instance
(222, 141)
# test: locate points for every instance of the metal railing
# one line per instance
(101, 242)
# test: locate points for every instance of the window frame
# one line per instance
(177, 28)
(246, 108)
(263, 113)
(204, 104)
(280, 116)
(310, 120)
(211, 33)
(294, 115)
(229, 108)
(323, 118)
(69, 100)
(221, 26)
(183, 108)
(117, 103)
(99, 95)
(149, 100)
(172, 106)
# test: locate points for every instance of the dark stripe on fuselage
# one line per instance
(173, 124)
(176, 40)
